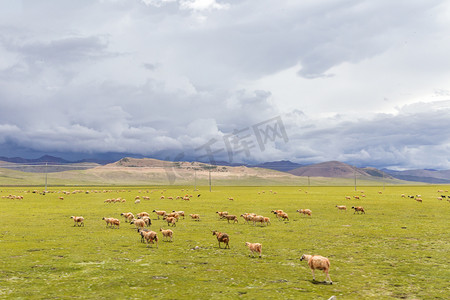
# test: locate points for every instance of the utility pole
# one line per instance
(45, 190)
(210, 179)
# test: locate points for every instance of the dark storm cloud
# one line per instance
(154, 76)
(413, 137)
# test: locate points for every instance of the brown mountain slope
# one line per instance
(166, 172)
(335, 169)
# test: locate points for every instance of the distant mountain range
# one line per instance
(334, 169)
(44, 159)
(51, 160)
(45, 164)
(425, 175)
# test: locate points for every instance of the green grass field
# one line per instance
(398, 250)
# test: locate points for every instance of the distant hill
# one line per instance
(331, 169)
(51, 160)
(337, 169)
(426, 175)
(152, 171)
(282, 165)
(43, 159)
(46, 168)
(146, 171)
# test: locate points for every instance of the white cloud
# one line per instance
(157, 3)
(146, 77)
(202, 5)
(191, 5)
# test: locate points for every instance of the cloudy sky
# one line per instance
(363, 82)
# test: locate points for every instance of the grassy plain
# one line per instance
(398, 250)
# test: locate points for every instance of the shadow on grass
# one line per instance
(320, 282)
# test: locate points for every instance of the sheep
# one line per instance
(231, 218)
(222, 238)
(170, 220)
(356, 197)
(418, 199)
(167, 233)
(115, 222)
(277, 212)
(128, 216)
(139, 223)
(180, 212)
(195, 217)
(282, 216)
(142, 214)
(141, 230)
(108, 221)
(439, 198)
(137, 201)
(161, 213)
(254, 247)
(305, 211)
(247, 217)
(258, 219)
(149, 237)
(147, 220)
(317, 262)
(78, 221)
(358, 209)
(267, 221)
(348, 198)
(341, 207)
(173, 215)
(221, 213)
